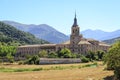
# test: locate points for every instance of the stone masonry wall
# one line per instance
(58, 61)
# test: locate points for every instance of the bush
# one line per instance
(74, 55)
(37, 69)
(20, 62)
(91, 55)
(65, 53)
(100, 55)
(11, 61)
(33, 60)
(112, 59)
(43, 54)
(1, 60)
(117, 73)
(78, 55)
(84, 59)
(52, 55)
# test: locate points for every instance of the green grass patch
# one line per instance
(90, 65)
(71, 67)
(3, 69)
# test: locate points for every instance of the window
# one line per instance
(73, 31)
(73, 37)
(73, 42)
(73, 50)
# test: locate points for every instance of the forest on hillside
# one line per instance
(10, 35)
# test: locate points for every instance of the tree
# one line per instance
(91, 55)
(112, 59)
(65, 53)
(100, 54)
(52, 55)
(84, 59)
(43, 54)
(7, 52)
(10, 34)
(33, 60)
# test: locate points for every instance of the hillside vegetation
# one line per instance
(112, 41)
(42, 31)
(103, 35)
(10, 34)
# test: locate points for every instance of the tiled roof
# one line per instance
(83, 42)
(103, 44)
(67, 42)
(90, 39)
(38, 45)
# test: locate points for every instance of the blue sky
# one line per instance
(91, 14)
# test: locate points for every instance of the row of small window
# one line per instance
(75, 30)
(31, 48)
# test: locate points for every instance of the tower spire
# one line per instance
(75, 13)
(75, 21)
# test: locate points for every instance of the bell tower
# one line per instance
(75, 37)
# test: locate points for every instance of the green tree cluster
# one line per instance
(66, 53)
(95, 55)
(7, 52)
(84, 59)
(9, 33)
(52, 55)
(43, 54)
(32, 60)
(112, 59)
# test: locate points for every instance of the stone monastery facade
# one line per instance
(77, 44)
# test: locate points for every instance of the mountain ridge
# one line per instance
(50, 34)
(111, 41)
(42, 31)
(9, 33)
(100, 35)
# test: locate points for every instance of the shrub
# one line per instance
(112, 59)
(91, 55)
(65, 53)
(37, 69)
(33, 60)
(43, 54)
(78, 55)
(117, 73)
(73, 55)
(52, 55)
(84, 59)
(100, 54)
(20, 62)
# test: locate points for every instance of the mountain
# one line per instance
(48, 33)
(41, 31)
(111, 41)
(9, 33)
(100, 35)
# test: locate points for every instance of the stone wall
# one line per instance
(58, 61)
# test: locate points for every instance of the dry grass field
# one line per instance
(86, 73)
